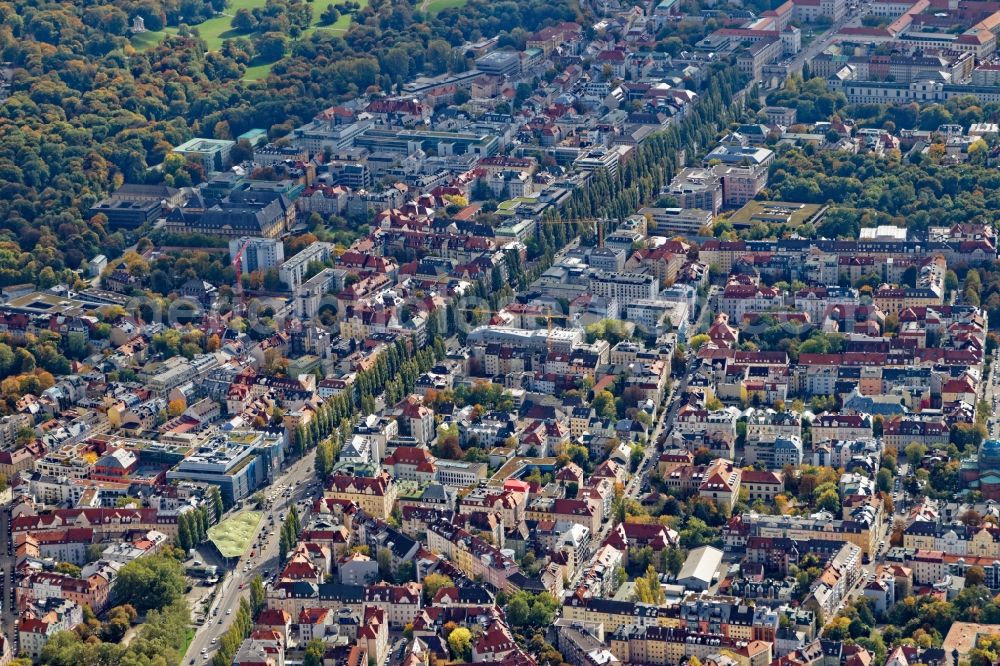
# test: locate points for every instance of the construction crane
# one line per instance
(597, 222)
(548, 317)
(238, 265)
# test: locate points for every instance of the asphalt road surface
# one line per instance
(235, 585)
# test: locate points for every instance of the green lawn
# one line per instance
(188, 637)
(340, 25)
(147, 40)
(217, 30)
(435, 6)
(257, 72)
(233, 536)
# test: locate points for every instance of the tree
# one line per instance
(329, 15)
(151, 583)
(674, 560)
(384, 559)
(315, 650)
(257, 595)
(324, 459)
(68, 568)
(543, 610)
(914, 453)
(95, 551)
(434, 582)
(271, 46)
(244, 21)
(883, 480)
(215, 495)
(698, 341)
(176, 407)
(518, 610)
(120, 618)
(648, 589)
(975, 576)
(604, 405)
(283, 545)
(460, 642)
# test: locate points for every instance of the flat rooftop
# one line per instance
(45, 302)
(775, 212)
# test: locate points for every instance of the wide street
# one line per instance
(991, 394)
(297, 481)
(817, 46)
(7, 617)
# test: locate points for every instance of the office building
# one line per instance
(258, 253)
(213, 154)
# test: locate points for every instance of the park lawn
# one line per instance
(257, 72)
(435, 6)
(340, 25)
(218, 29)
(147, 40)
(233, 536)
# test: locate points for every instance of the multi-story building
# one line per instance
(401, 603)
(762, 486)
(828, 592)
(841, 427)
(697, 188)
(94, 590)
(459, 473)
(258, 253)
(683, 221)
(231, 463)
(626, 287)
(664, 646)
(775, 453)
(900, 432)
(411, 463)
(376, 495)
(721, 483)
(577, 511)
(953, 539)
(37, 625)
(810, 11)
(767, 424)
(471, 554)
(752, 58)
(863, 533)
(212, 154)
(740, 184)
(293, 271)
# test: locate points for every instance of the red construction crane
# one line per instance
(238, 265)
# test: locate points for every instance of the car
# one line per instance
(191, 662)
(204, 650)
(229, 611)
(214, 641)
